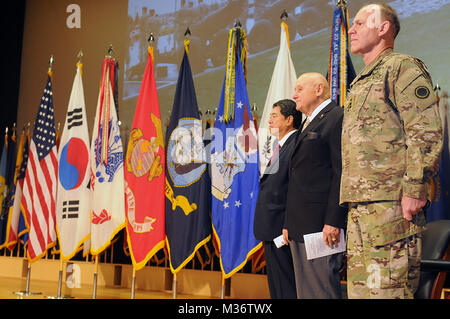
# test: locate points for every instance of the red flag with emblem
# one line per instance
(145, 175)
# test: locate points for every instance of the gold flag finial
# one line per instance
(79, 63)
(50, 66)
(187, 40)
(151, 44)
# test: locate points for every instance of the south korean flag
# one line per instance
(73, 199)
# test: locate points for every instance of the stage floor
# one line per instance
(8, 287)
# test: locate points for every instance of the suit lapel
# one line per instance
(315, 122)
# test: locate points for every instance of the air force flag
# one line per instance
(235, 180)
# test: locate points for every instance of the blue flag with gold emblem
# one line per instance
(188, 196)
(440, 200)
(234, 177)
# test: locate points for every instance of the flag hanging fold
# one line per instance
(73, 200)
(282, 86)
(39, 189)
(145, 175)
(7, 170)
(188, 186)
(15, 214)
(234, 178)
(341, 71)
(107, 176)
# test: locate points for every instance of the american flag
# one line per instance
(39, 190)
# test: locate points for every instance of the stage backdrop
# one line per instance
(62, 28)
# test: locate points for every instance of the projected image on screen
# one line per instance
(209, 21)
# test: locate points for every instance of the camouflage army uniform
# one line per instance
(391, 145)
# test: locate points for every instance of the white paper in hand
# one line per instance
(315, 246)
(279, 241)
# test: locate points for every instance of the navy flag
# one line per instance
(188, 196)
(234, 178)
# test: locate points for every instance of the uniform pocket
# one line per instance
(386, 225)
(389, 232)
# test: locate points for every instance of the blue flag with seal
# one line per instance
(234, 173)
(188, 196)
(440, 201)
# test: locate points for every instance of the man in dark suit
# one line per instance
(270, 207)
(313, 191)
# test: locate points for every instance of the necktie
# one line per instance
(305, 124)
(275, 153)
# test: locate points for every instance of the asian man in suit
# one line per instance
(270, 207)
(313, 191)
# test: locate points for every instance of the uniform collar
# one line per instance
(373, 64)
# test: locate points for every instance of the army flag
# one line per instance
(39, 189)
(107, 177)
(234, 173)
(73, 200)
(340, 71)
(145, 175)
(282, 86)
(188, 195)
(440, 184)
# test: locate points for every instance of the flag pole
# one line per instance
(58, 296)
(133, 283)
(174, 286)
(222, 295)
(94, 293)
(27, 292)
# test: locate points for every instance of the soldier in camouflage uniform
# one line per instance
(391, 145)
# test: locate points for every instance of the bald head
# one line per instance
(316, 79)
(311, 89)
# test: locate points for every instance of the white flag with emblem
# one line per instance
(107, 177)
(282, 86)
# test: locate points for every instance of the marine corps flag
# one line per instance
(73, 200)
(234, 173)
(188, 196)
(282, 86)
(107, 177)
(145, 175)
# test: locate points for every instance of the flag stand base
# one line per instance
(27, 292)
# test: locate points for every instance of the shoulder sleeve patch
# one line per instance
(422, 92)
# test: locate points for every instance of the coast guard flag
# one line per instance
(107, 178)
(15, 214)
(39, 189)
(145, 174)
(235, 179)
(73, 201)
(282, 86)
(188, 196)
